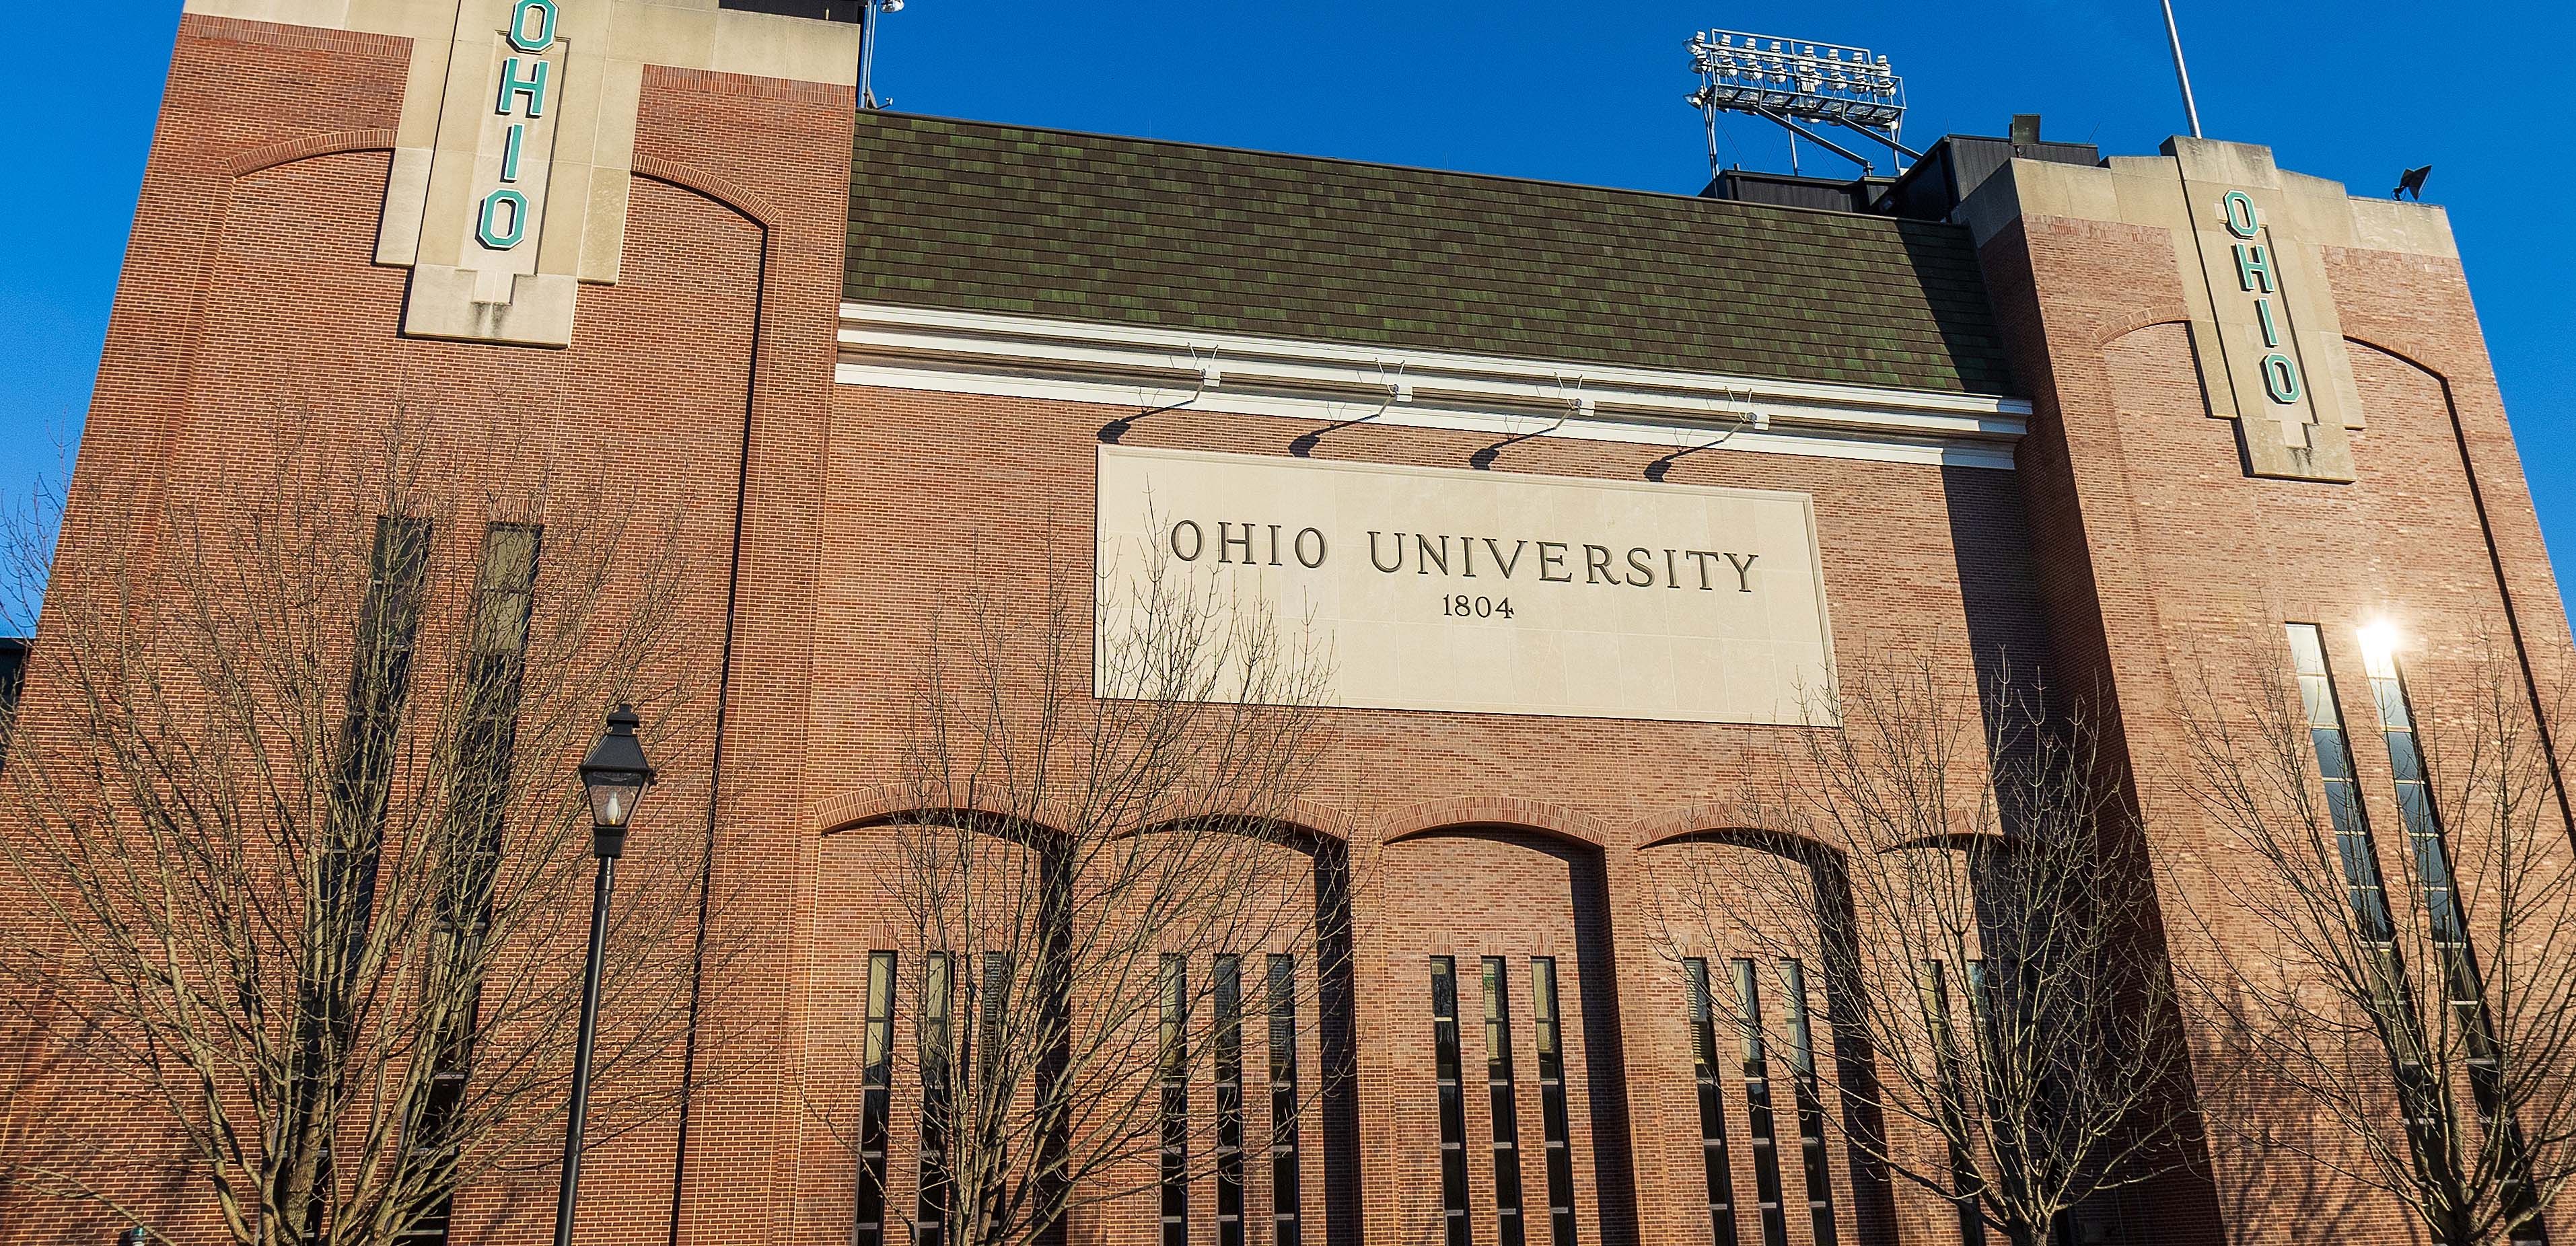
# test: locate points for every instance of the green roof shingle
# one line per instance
(972, 216)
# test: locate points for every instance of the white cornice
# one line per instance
(920, 348)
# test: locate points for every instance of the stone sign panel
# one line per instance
(2269, 344)
(1493, 592)
(513, 157)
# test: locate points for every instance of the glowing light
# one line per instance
(2379, 640)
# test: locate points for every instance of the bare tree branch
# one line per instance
(2406, 993)
(290, 801)
(1104, 850)
(1964, 879)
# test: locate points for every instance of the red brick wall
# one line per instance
(252, 332)
(826, 526)
(2164, 566)
(967, 490)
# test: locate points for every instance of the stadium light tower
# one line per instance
(1787, 81)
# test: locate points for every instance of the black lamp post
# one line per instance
(615, 774)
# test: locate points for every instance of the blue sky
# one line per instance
(1593, 92)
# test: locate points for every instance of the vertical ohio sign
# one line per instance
(2256, 277)
(518, 144)
(2270, 353)
(525, 79)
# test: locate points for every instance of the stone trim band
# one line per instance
(1014, 356)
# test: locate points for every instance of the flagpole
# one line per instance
(2173, 34)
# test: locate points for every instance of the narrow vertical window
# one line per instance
(2415, 808)
(938, 1100)
(876, 1091)
(1499, 1092)
(1229, 1101)
(1757, 1107)
(1286, 1194)
(469, 839)
(496, 646)
(379, 687)
(379, 683)
(1811, 1104)
(992, 1085)
(2462, 984)
(1174, 988)
(2365, 887)
(1453, 1103)
(1712, 1103)
(362, 774)
(1551, 1100)
(993, 1010)
(1983, 990)
(1933, 990)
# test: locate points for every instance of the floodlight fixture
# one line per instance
(869, 12)
(1788, 81)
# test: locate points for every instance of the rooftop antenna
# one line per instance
(1786, 81)
(869, 11)
(2173, 34)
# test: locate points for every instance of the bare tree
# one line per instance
(301, 866)
(2416, 1039)
(1964, 878)
(1109, 898)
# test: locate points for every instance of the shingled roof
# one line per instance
(971, 216)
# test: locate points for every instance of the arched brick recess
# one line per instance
(270, 155)
(714, 186)
(878, 805)
(2145, 320)
(888, 804)
(1696, 822)
(1687, 864)
(1511, 879)
(1532, 815)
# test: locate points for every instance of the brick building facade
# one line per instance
(846, 349)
